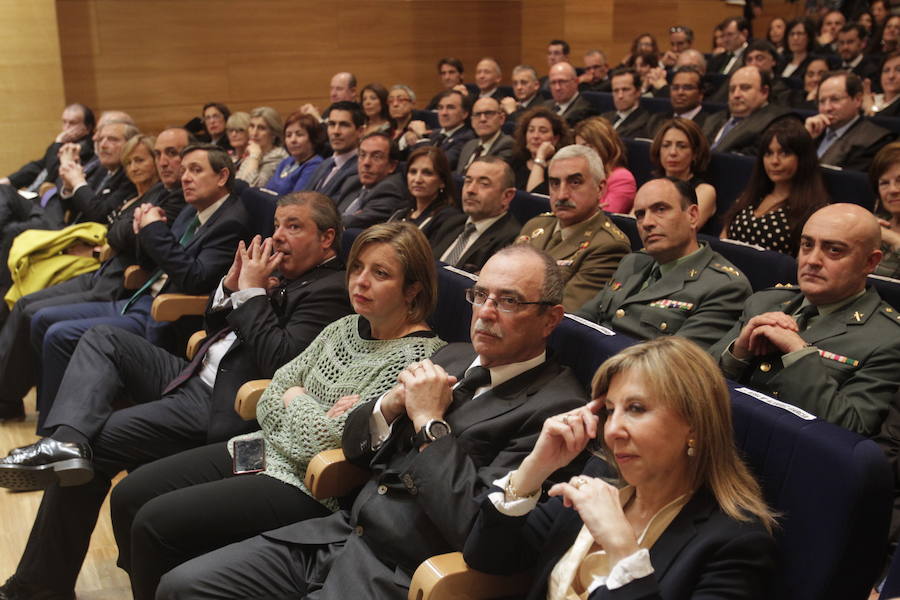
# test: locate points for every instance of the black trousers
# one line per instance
(111, 366)
(188, 504)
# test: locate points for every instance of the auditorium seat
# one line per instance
(526, 206)
(452, 318)
(656, 105)
(628, 225)
(639, 163)
(890, 123)
(849, 186)
(764, 268)
(729, 174)
(260, 204)
(601, 101)
(888, 289)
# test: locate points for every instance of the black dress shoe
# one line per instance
(14, 589)
(14, 411)
(45, 461)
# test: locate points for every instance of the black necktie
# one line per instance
(806, 313)
(475, 378)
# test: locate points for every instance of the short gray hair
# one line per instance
(554, 285)
(529, 68)
(595, 163)
(407, 89)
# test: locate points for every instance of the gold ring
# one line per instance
(579, 481)
(565, 419)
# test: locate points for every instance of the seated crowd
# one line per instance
(473, 447)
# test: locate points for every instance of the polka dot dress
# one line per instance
(770, 231)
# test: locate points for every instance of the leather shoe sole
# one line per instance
(74, 471)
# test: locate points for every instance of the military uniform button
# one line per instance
(663, 326)
(765, 367)
(620, 313)
(358, 530)
(382, 490)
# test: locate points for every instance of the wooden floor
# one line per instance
(100, 578)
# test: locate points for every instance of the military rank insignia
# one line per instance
(676, 304)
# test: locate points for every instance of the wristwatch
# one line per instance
(432, 431)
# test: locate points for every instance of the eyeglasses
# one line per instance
(677, 29)
(507, 304)
(485, 113)
(398, 100)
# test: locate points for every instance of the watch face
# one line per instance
(438, 429)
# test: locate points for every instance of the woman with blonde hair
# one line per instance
(621, 187)
(690, 519)
(265, 149)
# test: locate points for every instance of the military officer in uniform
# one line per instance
(829, 346)
(675, 284)
(584, 241)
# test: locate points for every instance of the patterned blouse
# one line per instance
(771, 231)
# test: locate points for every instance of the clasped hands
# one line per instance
(252, 266)
(423, 392)
(767, 333)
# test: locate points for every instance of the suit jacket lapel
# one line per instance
(680, 532)
(838, 322)
(675, 279)
(203, 229)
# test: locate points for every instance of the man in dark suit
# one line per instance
(630, 118)
(844, 137)
(433, 452)
(376, 192)
(188, 258)
(749, 113)
(567, 102)
(176, 405)
(487, 120)
(596, 73)
(852, 40)
(829, 346)
(344, 121)
(526, 88)
(488, 188)
(487, 77)
(762, 55)
(735, 33)
(557, 52)
(686, 96)
(18, 371)
(453, 112)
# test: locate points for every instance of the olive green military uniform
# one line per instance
(588, 255)
(700, 298)
(848, 377)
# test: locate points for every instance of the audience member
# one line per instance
(852, 41)
(884, 104)
(577, 234)
(215, 117)
(236, 129)
(374, 101)
(265, 150)
(163, 513)
(304, 140)
(691, 518)
(680, 151)
(830, 345)
(344, 124)
(885, 174)
(18, 370)
(401, 102)
(738, 129)
(539, 132)
(439, 447)
(487, 120)
(842, 135)
(807, 98)
(763, 55)
(692, 58)
(77, 128)
(526, 88)
(487, 77)
(735, 33)
(786, 187)
(801, 42)
(596, 132)
(596, 73)
(566, 101)
(488, 188)
(681, 38)
(685, 95)
(890, 36)
(777, 34)
(450, 71)
(341, 89)
(557, 52)
(376, 191)
(175, 405)
(642, 44)
(829, 28)
(675, 285)
(429, 181)
(453, 112)
(630, 118)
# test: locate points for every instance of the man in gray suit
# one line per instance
(433, 450)
(487, 119)
(376, 191)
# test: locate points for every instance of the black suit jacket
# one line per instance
(499, 235)
(429, 500)
(536, 100)
(578, 110)
(452, 145)
(92, 203)
(702, 551)
(743, 137)
(271, 331)
(382, 200)
(656, 120)
(503, 148)
(334, 185)
(857, 147)
(634, 126)
(25, 176)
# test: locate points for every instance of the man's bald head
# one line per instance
(563, 82)
(839, 247)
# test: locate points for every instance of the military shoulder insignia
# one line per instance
(839, 358)
(727, 269)
(891, 314)
(615, 231)
(546, 214)
(676, 304)
(537, 232)
(523, 239)
(784, 285)
(565, 263)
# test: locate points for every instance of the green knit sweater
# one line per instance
(337, 363)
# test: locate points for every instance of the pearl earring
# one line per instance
(691, 450)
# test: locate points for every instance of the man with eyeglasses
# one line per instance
(525, 86)
(681, 38)
(434, 444)
(487, 120)
(376, 191)
(253, 325)
(735, 33)
(843, 136)
(488, 188)
(686, 96)
(596, 73)
(566, 101)
(675, 285)
(581, 237)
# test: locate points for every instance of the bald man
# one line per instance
(566, 101)
(830, 345)
(487, 77)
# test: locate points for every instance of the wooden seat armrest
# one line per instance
(194, 343)
(447, 576)
(135, 276)
(171, 307)
(248, 396)
(330, 475)
(106, 252)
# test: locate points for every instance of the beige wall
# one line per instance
(31, 83)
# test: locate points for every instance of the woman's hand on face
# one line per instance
(545, 151)
(253, 150)
(291, 393)
(600, 509)
(888, 235)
